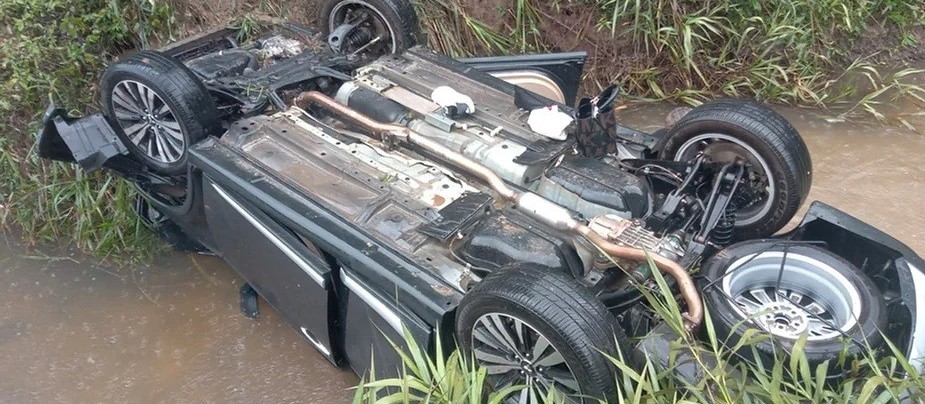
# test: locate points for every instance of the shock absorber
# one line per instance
(724, 231)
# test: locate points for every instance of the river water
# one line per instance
(73, 330)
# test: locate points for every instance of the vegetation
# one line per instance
(54, 51)
(725, 377)
(816, 52)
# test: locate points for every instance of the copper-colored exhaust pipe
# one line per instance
(694, 315)
(532, 204)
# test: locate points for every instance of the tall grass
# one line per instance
(724, 376)
(801, 52)
(54, 51)
(778, 51)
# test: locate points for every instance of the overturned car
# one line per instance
(364, 185)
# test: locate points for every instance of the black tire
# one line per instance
(775, 141)
(397, 14)
(553, 304)
(189, 105)
(171, 195)
(731, 321)
(167, 230)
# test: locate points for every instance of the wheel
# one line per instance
(166, 229)
(168, 195)
(158, 109)
(160, 200)
(817, 293)
(373, 27)
(780, 166)
(540, 328)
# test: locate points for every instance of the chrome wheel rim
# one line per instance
(514, 353)
(148, 122)
(340, 13)
(802, 296)
(724, 148)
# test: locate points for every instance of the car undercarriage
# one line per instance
(364, 187)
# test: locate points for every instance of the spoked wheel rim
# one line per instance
(723, 148)
(515, 353)
(148, 122)
(792, 295)
(370, 18)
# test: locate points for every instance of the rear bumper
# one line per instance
(89, 141)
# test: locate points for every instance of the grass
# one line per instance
(779, 52)
(452, 378)
(799, 52)
(54, 51)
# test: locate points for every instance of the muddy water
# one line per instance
(72, 331)
(75, 331)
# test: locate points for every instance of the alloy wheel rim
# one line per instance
(800, 296)
(148, 122)
(723, 146)
(514, 353)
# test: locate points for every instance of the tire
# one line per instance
(398, 15)
(183, 111)
(166, 229)
(553, 306)
(172, 196)
(811, 275)
(776, 148)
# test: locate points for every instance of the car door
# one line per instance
(283, 268)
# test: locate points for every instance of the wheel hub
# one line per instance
(725, 148)
(148, 122)
(357, 26)
(527, 368)
(783, 318)
(792, 294)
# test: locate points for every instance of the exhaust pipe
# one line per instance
(533, 205)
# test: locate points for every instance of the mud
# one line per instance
(72, 330)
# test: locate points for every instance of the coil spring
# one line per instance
(724, 232)
(357, 39)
